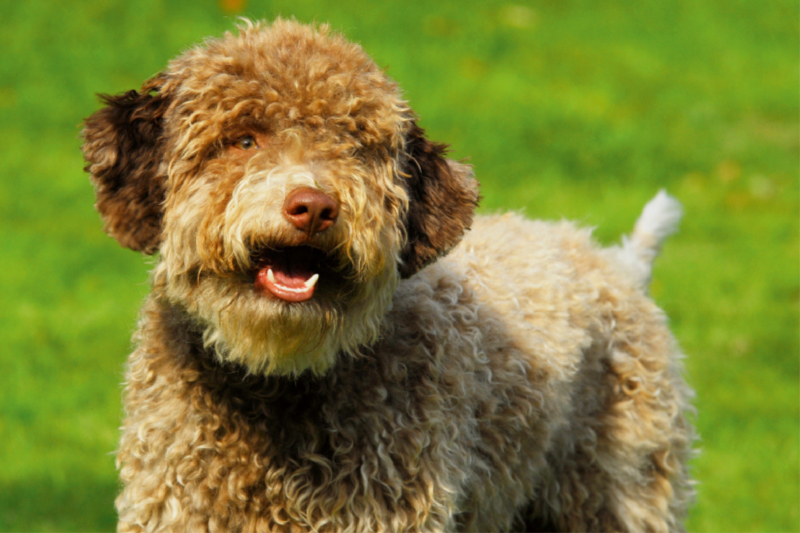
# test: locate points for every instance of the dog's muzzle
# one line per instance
(291, 273)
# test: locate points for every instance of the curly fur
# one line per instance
(519, 379)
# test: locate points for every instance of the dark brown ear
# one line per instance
(123, 148)
(442, 195)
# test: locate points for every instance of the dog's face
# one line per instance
(286, 186)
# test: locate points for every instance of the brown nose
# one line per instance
(310, 210)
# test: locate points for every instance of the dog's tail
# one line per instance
(659, 219)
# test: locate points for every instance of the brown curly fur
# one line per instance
(523, 380)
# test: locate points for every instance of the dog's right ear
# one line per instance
(123, 146)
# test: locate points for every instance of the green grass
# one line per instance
(567, 109)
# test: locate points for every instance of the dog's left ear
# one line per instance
(442, 194)
(124, 147)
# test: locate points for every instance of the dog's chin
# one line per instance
(273, 321)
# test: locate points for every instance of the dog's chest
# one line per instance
(268, 443)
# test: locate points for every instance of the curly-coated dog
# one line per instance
(317, 354)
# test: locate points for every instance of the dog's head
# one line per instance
(287, 187)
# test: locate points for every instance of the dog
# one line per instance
(335, 342)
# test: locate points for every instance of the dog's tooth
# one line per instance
(312, 281)
(270, 276)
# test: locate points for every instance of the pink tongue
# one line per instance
(288, 285)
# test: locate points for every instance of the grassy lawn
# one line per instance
(566, 109)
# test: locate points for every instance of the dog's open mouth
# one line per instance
(292, 273)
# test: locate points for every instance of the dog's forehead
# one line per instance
(287, 74)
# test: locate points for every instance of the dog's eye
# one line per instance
(246, 142)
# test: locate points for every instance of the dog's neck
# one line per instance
(253, 395)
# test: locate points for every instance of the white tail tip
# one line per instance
(659, 219)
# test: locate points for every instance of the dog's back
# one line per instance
(581, 378)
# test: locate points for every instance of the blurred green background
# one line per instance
(566, 109)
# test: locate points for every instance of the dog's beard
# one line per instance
(272, 337)
(265, 335)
